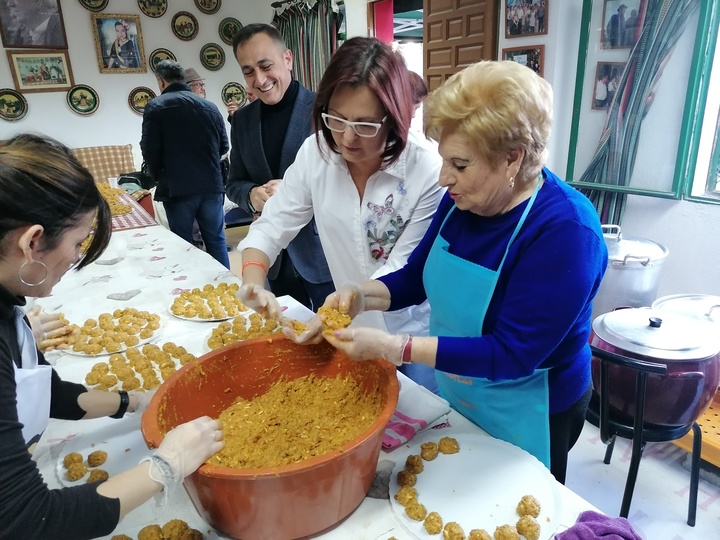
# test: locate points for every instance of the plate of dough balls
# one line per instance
(114, 332)
(84, 460)
(138, 368)
(241, 328)
(212, 303)
(472, 487)
(175, 529)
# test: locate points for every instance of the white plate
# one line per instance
(479, 487)
(154, 337)
(123, 442)
(198, 319)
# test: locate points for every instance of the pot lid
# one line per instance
(698, 306)
(658, 334)
(627, 249)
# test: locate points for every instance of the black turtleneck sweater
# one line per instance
(28, 509)
(275, 119)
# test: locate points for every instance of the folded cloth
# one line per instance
(591, 525)
(417, 408)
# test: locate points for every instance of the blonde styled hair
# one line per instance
(499, 107)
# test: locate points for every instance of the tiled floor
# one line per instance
(660, 501)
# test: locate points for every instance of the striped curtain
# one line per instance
(662, 22)
(310, 30)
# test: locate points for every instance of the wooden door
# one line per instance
(457, 33)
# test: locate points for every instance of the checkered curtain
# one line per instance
(310, 29)
(662, 24)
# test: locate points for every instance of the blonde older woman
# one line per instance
(510, 265)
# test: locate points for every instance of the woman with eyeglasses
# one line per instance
(370, 183)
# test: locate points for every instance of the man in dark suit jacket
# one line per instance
(266, 136)
(183, 141)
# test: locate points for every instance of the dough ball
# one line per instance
(528, 506)
(414, 464)
(174, 528)
(429, 451)
(191, 534)
(97, 458)
(121, 537)
(98, 475)
(405, 495)
(406, 478)
(416, 511)
(528, 527)
(433, 523)
(151, 532)
(76, 471)
(453, 531)
(479, 534)
(448, 445)
(506, 532)
(72, 457)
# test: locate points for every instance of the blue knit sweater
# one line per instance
(539, 315)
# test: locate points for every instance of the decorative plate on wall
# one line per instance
(158, 55)
(153, 8)
(13, 105)
(139, 97)
(212, 56)
(208, 6)
(228, 27)
(233, 93)
(184, 25)
(83, 99)
(94, 5)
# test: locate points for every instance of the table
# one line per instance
(136, 218)
(146, 268)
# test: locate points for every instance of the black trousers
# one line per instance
(565, 429)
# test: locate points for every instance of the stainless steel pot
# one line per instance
(690, 348)
(633, 271)
(704, 307)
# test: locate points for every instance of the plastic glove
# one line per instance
(48, 328)
(368, 343)
(260, 300)
(139, 401)
(349, 299)
(312, 335)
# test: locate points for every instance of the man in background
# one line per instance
(615, 31)
(183, 141)
(266, 136)
(195, 82)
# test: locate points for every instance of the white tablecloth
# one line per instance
(146, 268)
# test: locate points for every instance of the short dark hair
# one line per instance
(247, 32)
(362, 61)
(419, 88)
(42, 183)
(170, 71)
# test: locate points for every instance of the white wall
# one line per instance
(114, 122)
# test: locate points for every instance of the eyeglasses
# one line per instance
(200, 84)
(361, 129)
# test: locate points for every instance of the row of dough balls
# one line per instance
(239, 330)
(113, 332)
(112, 196)
(75, 467)
(137, 368)
(175, 529)
(528, 508)
(212, 302)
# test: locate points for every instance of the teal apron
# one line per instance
(516, 410)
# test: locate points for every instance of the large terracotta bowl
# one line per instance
(282, 502)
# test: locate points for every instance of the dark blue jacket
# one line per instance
(183, 140)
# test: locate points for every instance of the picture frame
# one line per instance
(83, 99)
(212, 56)
(94, 5)
(13, 105)
(40, 71)
(227, 29)
(158, 55)
(620, 24)
(607, 75)
(23, 26)
(532, 56)
(139, 97)
(233, 93)
(184, 25)
(526, 18)
(208, 7)
(118, 43)
(153, 8)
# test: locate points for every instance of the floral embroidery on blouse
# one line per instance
(384, 226)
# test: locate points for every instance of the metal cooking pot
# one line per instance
(698, 306)
(633, 271)
(690, 349)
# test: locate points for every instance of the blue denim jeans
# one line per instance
(207, 210)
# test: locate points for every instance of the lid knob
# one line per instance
(655, 322)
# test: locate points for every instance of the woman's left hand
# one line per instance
(48, 328)
(368, 343)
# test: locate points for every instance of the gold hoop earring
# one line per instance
(24, 281)
(512, 182)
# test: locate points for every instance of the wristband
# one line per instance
(253, 263)
(124, 402)
(407, 351)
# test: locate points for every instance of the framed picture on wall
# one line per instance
(118, 43)
(40, 71)
(532, 56)
(607, 76)
(24, 24)
(526, 18)
(621, 25)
